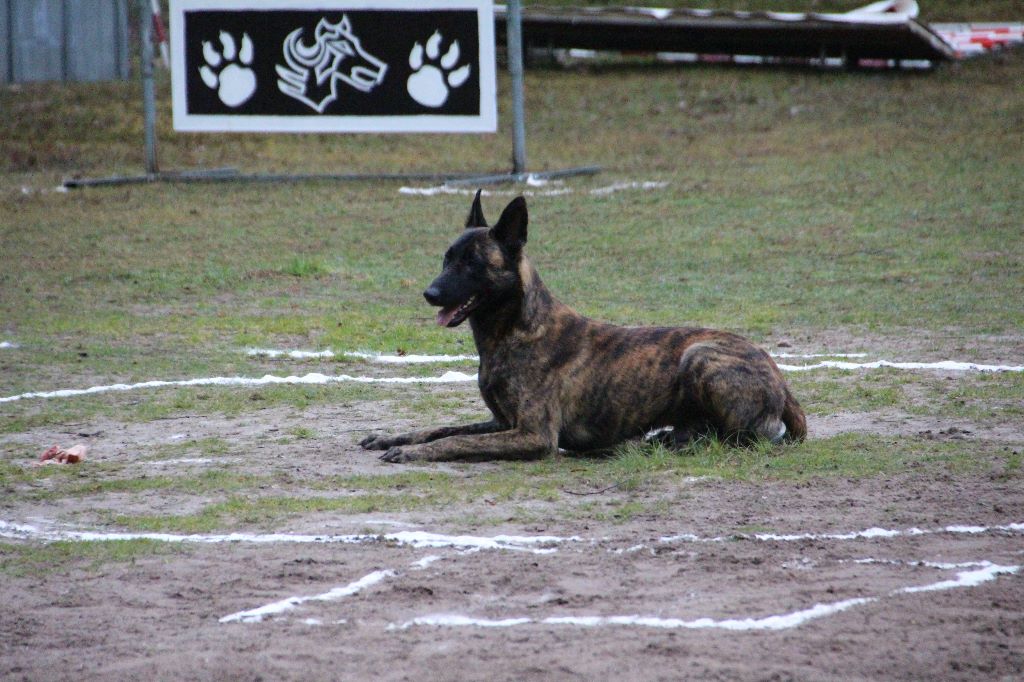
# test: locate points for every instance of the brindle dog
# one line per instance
(555, 379)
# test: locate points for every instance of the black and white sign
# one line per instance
(333, 65)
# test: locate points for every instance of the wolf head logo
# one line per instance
(336, 55)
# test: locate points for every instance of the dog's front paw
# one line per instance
(396, 455)
(376, 441)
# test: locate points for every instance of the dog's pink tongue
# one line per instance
(445, 315)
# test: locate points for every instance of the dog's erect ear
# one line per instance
(476, 214)
(510, 230)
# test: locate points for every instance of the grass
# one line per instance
(26, 561)
(838, 211)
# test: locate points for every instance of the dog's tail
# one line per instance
(793, 418)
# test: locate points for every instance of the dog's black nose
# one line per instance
(433, 295)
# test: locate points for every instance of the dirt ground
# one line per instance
(675, 595)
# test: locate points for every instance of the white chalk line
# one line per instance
(405, 359)
(975, 573)
(313, 378)
(866, 534)
(279, 607)
(8, 344)
(293, 354)
(532, 181)
(411, 358)
(948, 365)
(534, 544)
(453, 376)
(980, 572)
(425, 539)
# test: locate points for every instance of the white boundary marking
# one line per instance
(532, 181)
(411, 538)
(293, 354)
(982, 572)
(425, 539)
(949, 365)
(409, 359)
(460, 377)
(312, 378)
(275, 608)
(968, 574)
(867, 534)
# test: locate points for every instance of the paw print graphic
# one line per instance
(430, 84)
(235, 82)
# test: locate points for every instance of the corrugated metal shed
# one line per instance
(69, 40)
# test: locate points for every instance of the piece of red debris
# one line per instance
(58, 455)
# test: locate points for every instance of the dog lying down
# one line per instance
(553, 378)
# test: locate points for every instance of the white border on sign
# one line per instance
(486, 122)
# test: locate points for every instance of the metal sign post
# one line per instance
(514, 43)
(148, 90)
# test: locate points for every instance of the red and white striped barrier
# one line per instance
(973, 39)
(160, 34)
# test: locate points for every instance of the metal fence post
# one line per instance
(514, 43)
(148, 96)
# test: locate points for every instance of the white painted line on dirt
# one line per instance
(278, 607)
(948, 365)
(455, 377)
(420, 564)
(312, 378)
(409, 359)
(294, 354)
(928, 564)
(453, 620)
(418, 539)
(619, 186)
(645, 185)
(970, 578)
(406, 359)
(869, 533)
(808, 356)
(448, 189)
(181, 460)
(513, 542)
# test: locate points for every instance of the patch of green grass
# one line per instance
(210, 446)
(27, 560)
(302, 432)
(846, 456)
(207, 482)
(831, 391)
(1012, 468)
(984, 397)
(304, 266)
(265, 511)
